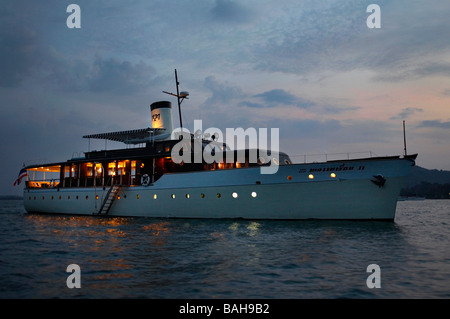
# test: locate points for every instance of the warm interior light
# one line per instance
(187, 195)
(155, 196)
(254, 194)
(235, 195)
(310, 176)
(333, 175)
(173, 196)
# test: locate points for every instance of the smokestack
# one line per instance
(162, 118)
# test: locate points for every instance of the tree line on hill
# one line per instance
(430, 184)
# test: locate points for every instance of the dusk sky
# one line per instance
(313, 69)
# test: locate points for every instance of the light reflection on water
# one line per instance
(179, 258)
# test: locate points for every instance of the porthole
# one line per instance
(118, 196)
(137, 196)
(333, 175)
(219, 195)
(155, 196)
(202, 195)
(187, 195)
(96, 196)
(87, 196)
(52, 197)
(289, 178)
(311, 176)
(254, 194)
(173, 195)
(235, 195)
(76, 197)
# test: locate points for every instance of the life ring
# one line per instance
(145, 179)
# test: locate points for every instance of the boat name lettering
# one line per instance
(332, 169)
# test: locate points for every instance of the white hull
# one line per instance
(289, 194)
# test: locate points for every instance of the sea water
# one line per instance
(216, 259)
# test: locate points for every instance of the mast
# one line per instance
(404, 139)
(180, 97)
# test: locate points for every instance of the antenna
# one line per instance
(404, 139)
(180, 97)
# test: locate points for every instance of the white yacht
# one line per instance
(146, 181)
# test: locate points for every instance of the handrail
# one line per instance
(327, 156)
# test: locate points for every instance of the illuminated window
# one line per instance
(218, 195)
(173, 195)
(96, 196)
(310, 176)
(187, 196)
(155, 196)
(289, 177)
(202, 195)
(333, 175)
(137, 196)
(254, 194)
(235, 195)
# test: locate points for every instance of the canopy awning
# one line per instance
(129, 137)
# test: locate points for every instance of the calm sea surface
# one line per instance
(178, 258)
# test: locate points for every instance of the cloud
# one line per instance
(221, 93)
(18, 52)
(230, 12)
(435, 124)
(277, 97)
(333, 36)
(111, 75)
(406, 112)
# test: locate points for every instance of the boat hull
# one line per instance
(298, 191)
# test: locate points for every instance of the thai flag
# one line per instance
(23, 172)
